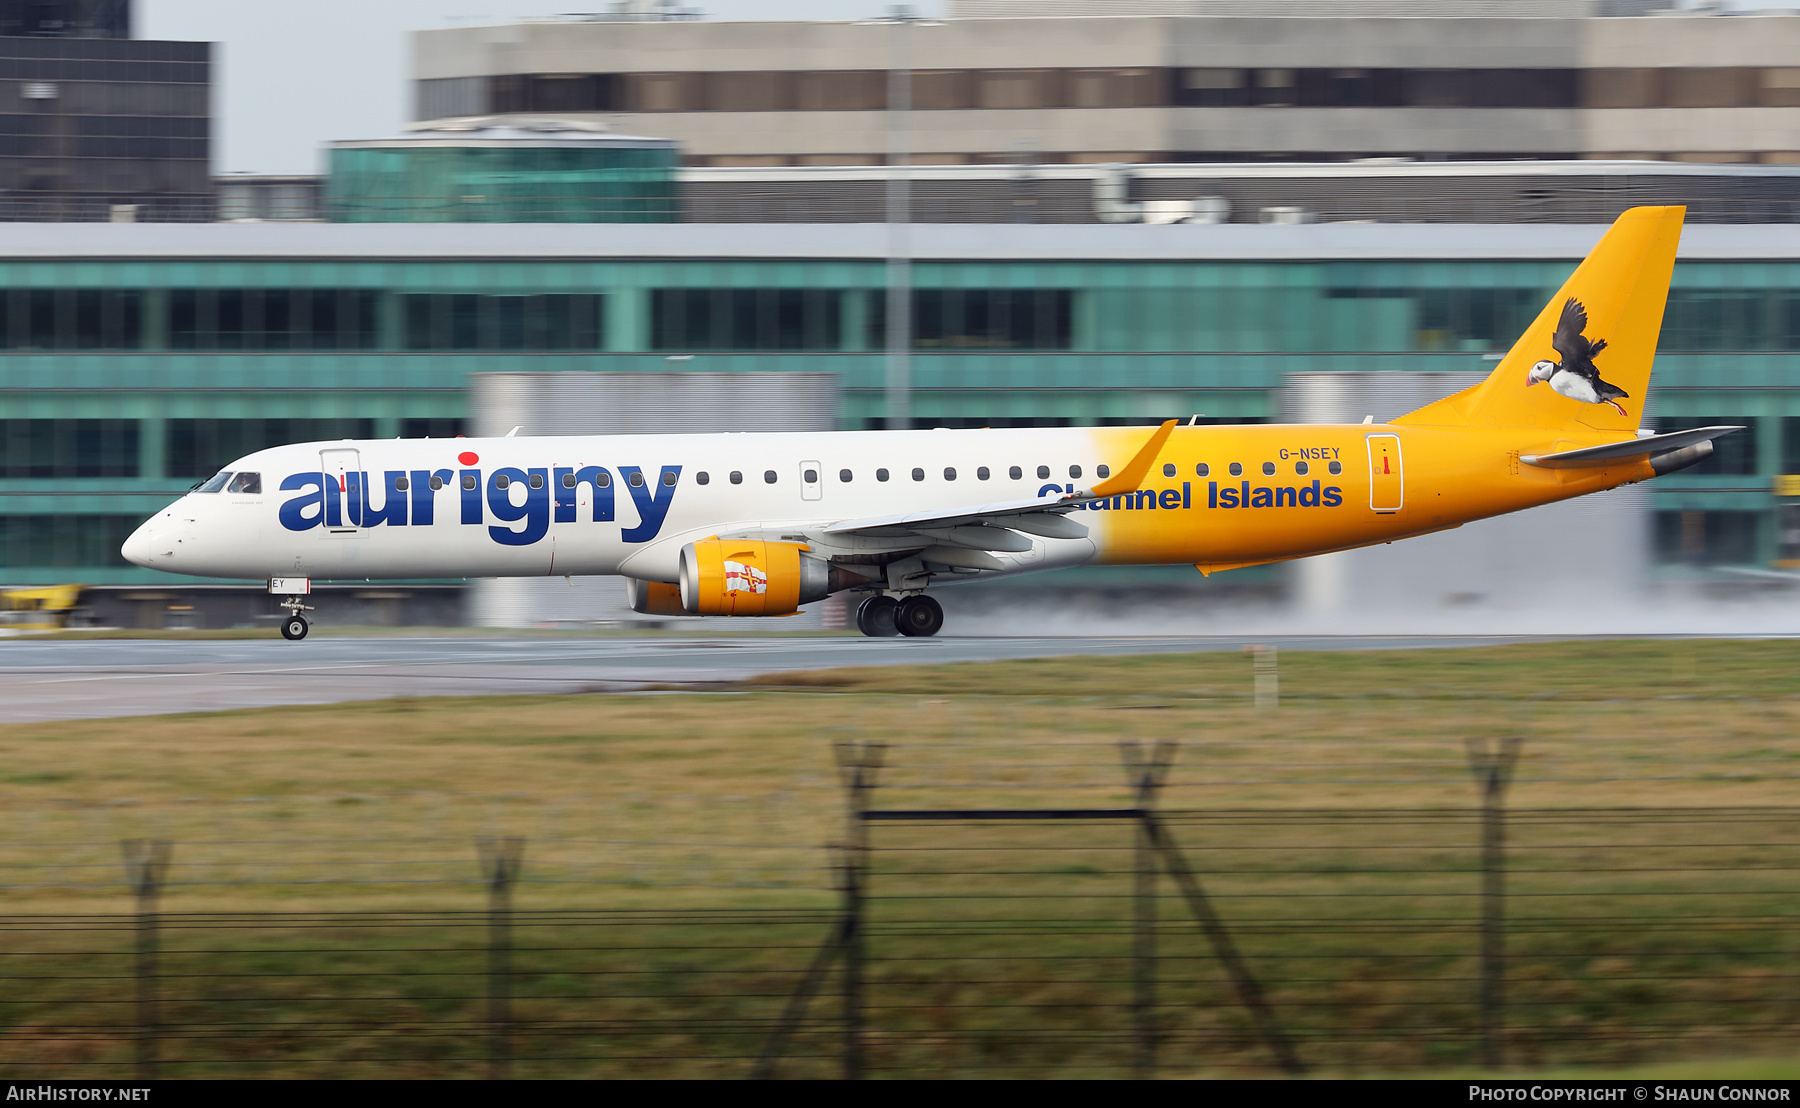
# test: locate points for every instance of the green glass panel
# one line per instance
(495, 184)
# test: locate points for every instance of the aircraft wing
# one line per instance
(979, 525)
(1049, 512)
(1593, 457)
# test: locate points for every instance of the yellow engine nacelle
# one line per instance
(654, 598)
(740, 578)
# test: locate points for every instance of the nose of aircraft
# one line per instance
(140, 548)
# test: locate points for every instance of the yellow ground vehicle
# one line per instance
(45, 609)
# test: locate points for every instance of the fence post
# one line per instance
(1268, 677)
(500, 862)
(1493, 765)
(858, 764)
(809, 981)
(1147, 774)
(146, 862)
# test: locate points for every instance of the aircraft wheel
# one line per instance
(875, 617)
(920, 617)
(294, 628)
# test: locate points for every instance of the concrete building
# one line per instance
(1006, 81)
(97, 125)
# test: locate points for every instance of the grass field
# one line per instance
(1636, 939)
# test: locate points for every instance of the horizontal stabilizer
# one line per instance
(1595, 457)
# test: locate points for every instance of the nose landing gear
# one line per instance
(295, 626)
(884, 617)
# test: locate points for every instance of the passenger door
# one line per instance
(343, 499)
(1387, 482)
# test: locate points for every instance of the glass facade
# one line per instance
(96, 123)
(1151, 308)
(599, 182)
(129, 380)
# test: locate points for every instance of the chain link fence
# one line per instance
(1027, 940)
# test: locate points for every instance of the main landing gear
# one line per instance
(294, 626)
(918, 617)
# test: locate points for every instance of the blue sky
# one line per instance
(292, 76)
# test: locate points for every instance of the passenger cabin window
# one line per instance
(702, 478)
(1237, 470)
(881, 475)
(1074, 471)
(438, 483)
(768, 477)
(1268, 469)
(810, 476)
(668, 479)
(1300, 468)
(220, 479)
(949, 473)
(537, 481)
(251, 484)
(1202, 470)
(1168, 469)
(636, 481)
(1015, 473)
(1106, 471)
(982, 474)
(502, 481)
(737, 477)
(603, 480)
(1335, 468)
(1043, 472)
(468, 481)
(401, 484)
(568, 481)
(918, 474)
(844, 476)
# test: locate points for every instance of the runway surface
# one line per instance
(45, 680)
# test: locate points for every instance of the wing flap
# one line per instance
(969, 513)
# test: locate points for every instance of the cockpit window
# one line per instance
(246, 482)
(217, 483)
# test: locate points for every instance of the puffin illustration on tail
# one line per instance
(1576, 376)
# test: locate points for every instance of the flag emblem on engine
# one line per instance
(742, 578)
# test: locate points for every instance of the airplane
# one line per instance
(762, 524)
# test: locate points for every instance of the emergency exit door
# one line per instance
(1387, 482)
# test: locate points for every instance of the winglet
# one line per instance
(1129, 478)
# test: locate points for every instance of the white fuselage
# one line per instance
(366, 509)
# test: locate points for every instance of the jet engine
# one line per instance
(721, 577)
(653, 598)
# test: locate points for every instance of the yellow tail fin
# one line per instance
(1585, 361)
